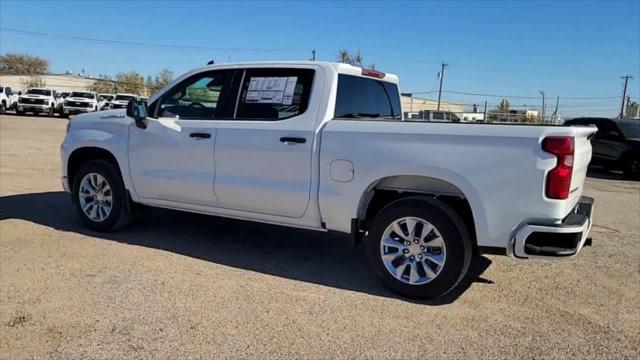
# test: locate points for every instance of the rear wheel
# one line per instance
(100, 196)
(632, 168)
(419, 247)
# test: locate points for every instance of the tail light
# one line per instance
(559, 178)
(373, 73)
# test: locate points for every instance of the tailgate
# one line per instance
(581, 159)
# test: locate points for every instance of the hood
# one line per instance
(79, 99)
(33, 96)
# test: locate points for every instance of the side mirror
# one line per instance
(138, 111)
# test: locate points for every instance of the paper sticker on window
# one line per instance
(271, 90)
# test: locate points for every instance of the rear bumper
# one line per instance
(565, 239)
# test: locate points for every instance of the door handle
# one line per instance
(293, 140)
(200, 135)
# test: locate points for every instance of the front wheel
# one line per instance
(3, 107)
(99, 196)
(419, 247)
(51, 111)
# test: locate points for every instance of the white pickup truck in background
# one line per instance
(79, 102)
(38, 101)
(8, 100)
(323, 146)
(120, 101)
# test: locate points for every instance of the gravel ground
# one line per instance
(177, 285)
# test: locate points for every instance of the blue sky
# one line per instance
(568, 49)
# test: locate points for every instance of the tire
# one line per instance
(51, 111)
(450, 244)
(3, 107)
(118, 215)
(631, 168)
(19, 112)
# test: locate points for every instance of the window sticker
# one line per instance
(271, 90)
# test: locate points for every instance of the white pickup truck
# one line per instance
(38, 101)
(79, 102)
(8, 99)
(120, 101)
(323, 146)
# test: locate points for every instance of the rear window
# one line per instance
(360, 97)
(274, 94)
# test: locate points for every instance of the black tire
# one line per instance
(119, 215)
(454, 235)
(19, 112)
(3, 107)
(51, 112)
(631, 168)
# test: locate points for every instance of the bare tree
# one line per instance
(34, 82)
(23, 64)
(345, 57)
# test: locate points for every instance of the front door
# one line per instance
(173, 158)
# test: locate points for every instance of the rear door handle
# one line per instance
(293, 140)
(200, 135)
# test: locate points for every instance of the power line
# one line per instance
(513, 96)
(134, 43)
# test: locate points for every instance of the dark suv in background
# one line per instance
(616, 145)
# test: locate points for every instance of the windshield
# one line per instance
(39, 92)
(630, 129)
(125, 97)
(82, 95)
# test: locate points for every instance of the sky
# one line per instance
(568, 49)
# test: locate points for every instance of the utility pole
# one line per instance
(542, 110)
(555, 112)
(484, 117)
(624, 93)
(444, 65)
(313, 55)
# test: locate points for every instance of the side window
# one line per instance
(274, 94)
(196, 98)
(438, 116)
(360, 97)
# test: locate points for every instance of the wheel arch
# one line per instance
(389, 189)
(81, 155)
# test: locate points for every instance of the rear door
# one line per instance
(263, 156)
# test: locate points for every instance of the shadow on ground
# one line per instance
(314, 257)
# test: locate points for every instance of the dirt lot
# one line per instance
(176, 285)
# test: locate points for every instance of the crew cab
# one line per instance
(120, 101)
(38, 101)
(323, 146)
(8, 99)
(81, 102)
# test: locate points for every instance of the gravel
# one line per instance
(176, 285)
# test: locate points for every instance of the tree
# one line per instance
(34, 82)
(345, 57)
(163, 78)
(104, 85)
(131, 82)
(23, 64)
(504, 106)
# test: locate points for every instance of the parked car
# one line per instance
(323, 146)
(616, 145)
(121, 101)
(106, 100)
(38, 101)
(8, 99)
(81, 102)
(432, 115)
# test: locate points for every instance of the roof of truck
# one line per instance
(341, 68)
